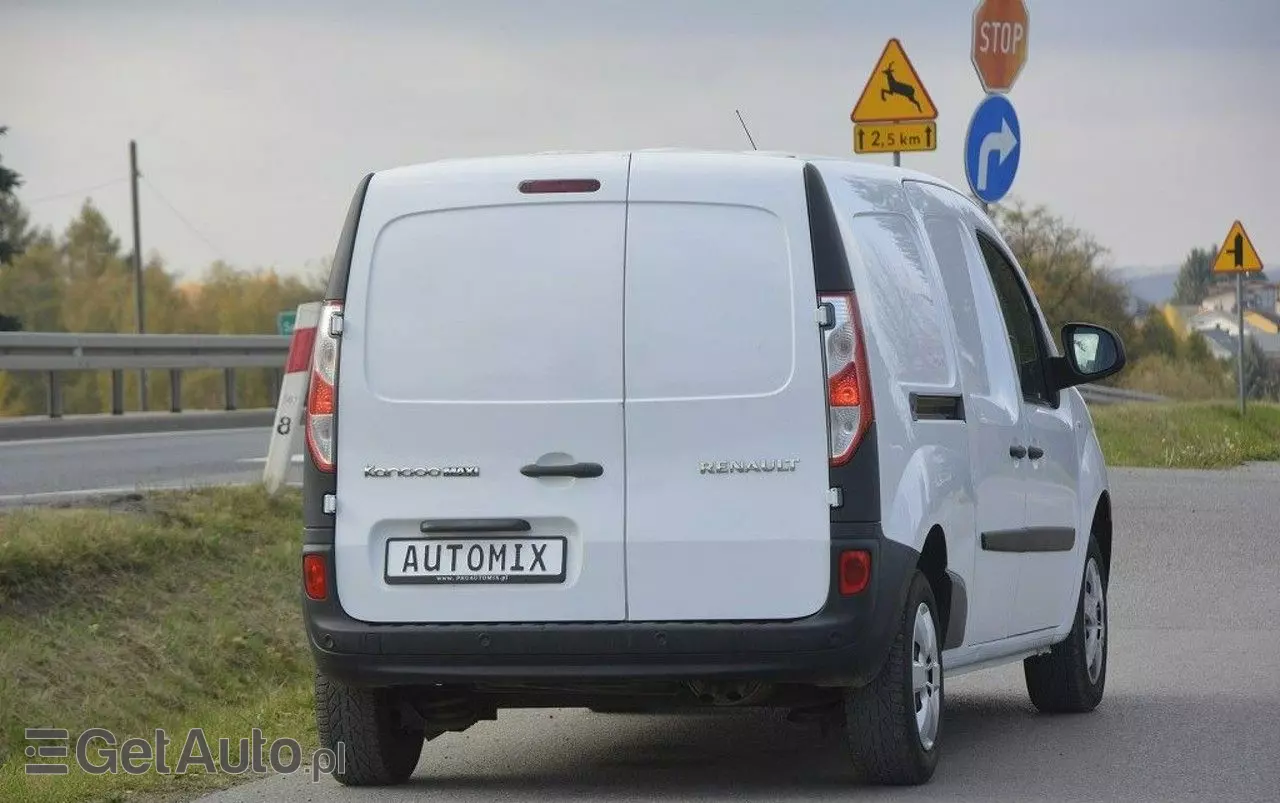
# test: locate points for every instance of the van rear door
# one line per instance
(726, 423)
(480, 449)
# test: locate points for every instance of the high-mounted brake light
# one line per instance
(322, 400)
(535, 186)
(848, 381)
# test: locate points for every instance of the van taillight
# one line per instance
(322, 401)
(848, 382)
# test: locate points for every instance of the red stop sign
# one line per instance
(1000, 29)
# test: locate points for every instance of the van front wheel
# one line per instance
(1073, 675)
(894, 724)
(377, 748)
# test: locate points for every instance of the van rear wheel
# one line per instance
(894, 724)
(378, 749)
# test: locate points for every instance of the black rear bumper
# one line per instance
(844, 643)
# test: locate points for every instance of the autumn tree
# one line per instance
(1195, 276)
(15, 232)
(1065, 267)
(15, 236)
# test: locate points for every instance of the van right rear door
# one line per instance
(726, 422)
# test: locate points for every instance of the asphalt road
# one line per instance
(1189, 714)
(33, 471)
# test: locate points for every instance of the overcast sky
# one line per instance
(1151, 123)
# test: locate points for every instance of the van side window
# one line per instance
(1020, 318)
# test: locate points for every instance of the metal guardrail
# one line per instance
(1101, 394)
(51, 353)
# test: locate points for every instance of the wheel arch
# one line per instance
(1101, 529)
(948, 587)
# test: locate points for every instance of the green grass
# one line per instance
(1202, 435)
(174, 610)
(179, 610)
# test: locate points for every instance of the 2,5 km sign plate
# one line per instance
(891, 137)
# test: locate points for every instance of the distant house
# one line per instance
(1221, 345)
(1270, 343)
(1214, 321)
(1177, 316)
(1258, 295)
(1263, 321)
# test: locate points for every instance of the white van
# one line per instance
(639, 431)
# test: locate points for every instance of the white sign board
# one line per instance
(287, 428)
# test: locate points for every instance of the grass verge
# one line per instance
(1204, 435)
(173, 611)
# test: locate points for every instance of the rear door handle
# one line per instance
(579, 470)
(1017, 452)
(1035, 453)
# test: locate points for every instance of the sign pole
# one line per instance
(1240, 323)
(1237, 255)
(897, 159)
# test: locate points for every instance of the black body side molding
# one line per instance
(1030, 539)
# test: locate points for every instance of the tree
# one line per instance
(14, 232)
(1261, 375)
(1064, 266)
(1156, 336)
(1195, 276)
(1195, 349)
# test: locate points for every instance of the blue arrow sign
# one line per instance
(992, 148)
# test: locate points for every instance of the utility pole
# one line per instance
(139, 319)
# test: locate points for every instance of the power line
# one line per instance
(69, 193)
(183, 218)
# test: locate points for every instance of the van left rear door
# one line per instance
(481, 357)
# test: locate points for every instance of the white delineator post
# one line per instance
(287, 428)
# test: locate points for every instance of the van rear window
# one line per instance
(497, 304)
(710, 306)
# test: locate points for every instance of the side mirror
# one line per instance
(1092, 353)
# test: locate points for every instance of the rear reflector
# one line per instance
(314, 577)
(534, 186)
(855, 571)
(300, 347)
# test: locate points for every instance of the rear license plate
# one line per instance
(475, 560)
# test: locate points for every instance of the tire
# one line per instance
(379, 750)
(1072, 677)
(882, 728)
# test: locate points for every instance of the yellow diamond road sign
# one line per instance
(894, 93)
(1237, 254)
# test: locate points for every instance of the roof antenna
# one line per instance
(746, 130)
